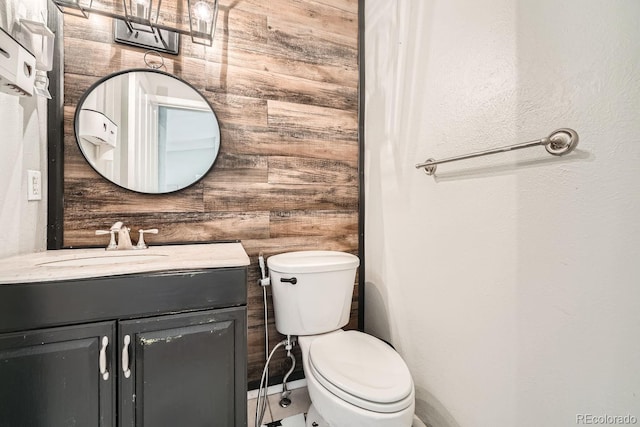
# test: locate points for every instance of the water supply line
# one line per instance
(284, 399)
(261, 403)
(288, 343)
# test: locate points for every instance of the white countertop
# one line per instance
(67, 264)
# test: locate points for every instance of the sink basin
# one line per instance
(68, 264)
(103, 260)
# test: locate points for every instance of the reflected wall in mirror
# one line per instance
(147, 131)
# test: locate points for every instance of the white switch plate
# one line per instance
(34, 185)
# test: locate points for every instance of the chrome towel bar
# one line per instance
(560, 142)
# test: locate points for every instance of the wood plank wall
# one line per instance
(282, 77)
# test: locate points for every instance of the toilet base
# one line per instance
(314, 419)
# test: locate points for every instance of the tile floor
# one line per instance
(299, 404)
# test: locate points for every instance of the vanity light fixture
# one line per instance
(203, 15)
(140, 14)
(154, 24)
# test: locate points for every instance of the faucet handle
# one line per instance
(141, 244)
(112, 242)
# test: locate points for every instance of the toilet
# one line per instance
(354, 379)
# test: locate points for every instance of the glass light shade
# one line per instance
(142, 15)
(141, 8)
(203, 15)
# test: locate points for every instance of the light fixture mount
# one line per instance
(160, 40)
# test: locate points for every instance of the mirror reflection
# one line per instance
(147, 131)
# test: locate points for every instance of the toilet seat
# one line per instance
(362, 370)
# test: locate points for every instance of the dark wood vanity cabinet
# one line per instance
(183, 369)
(51, 377)
(177, 359)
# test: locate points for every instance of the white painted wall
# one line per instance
(511, 283)
(23, 141)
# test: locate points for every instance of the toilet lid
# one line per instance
(312, 261)
(362, 370)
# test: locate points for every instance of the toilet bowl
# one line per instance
(356, 380)
(353, 379)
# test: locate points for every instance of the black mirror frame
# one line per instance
(147, 70)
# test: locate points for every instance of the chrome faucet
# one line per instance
(124, 238)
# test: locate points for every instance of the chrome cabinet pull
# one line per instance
(125, 356)
(103, 359)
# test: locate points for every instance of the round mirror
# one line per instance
(147, 131)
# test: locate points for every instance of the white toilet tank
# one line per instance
(312, 290)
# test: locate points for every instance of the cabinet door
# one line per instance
(52, 377)
(186, 370)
